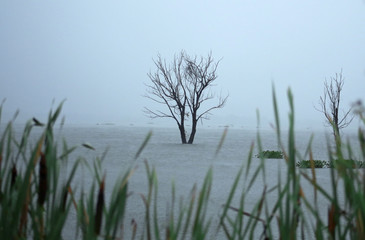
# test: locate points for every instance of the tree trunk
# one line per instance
(182, 134)
(193, 131)
(336, 130)
(337, 136)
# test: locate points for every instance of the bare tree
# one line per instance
(183, 87)
(330, 105)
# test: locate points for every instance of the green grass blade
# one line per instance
(144, 144)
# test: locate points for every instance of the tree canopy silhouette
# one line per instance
(330, 105)
(184, 87)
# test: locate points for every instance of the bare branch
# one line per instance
(330, 104)
(156, 114)
(221, 103)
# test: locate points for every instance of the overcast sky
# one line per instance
(96, 55)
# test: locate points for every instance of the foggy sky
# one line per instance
(96, 55)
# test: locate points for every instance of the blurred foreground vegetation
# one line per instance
(36, 201)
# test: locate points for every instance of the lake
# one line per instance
(185, 165)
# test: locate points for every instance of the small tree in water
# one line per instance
(330, 105)
(183, 87)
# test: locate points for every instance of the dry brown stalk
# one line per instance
(360, 225)
(69, 189)
(23, 217)
(134, 226)
(331, 221)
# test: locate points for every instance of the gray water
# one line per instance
(185, 165)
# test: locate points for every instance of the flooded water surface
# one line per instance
(184, 166)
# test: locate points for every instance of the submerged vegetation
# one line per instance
(35, 201)
(270, 154)
(312, 164)
(330, 164)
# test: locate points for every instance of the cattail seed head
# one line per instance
(99, 208)
(42, 190)
(14, 174)
(64, 198)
